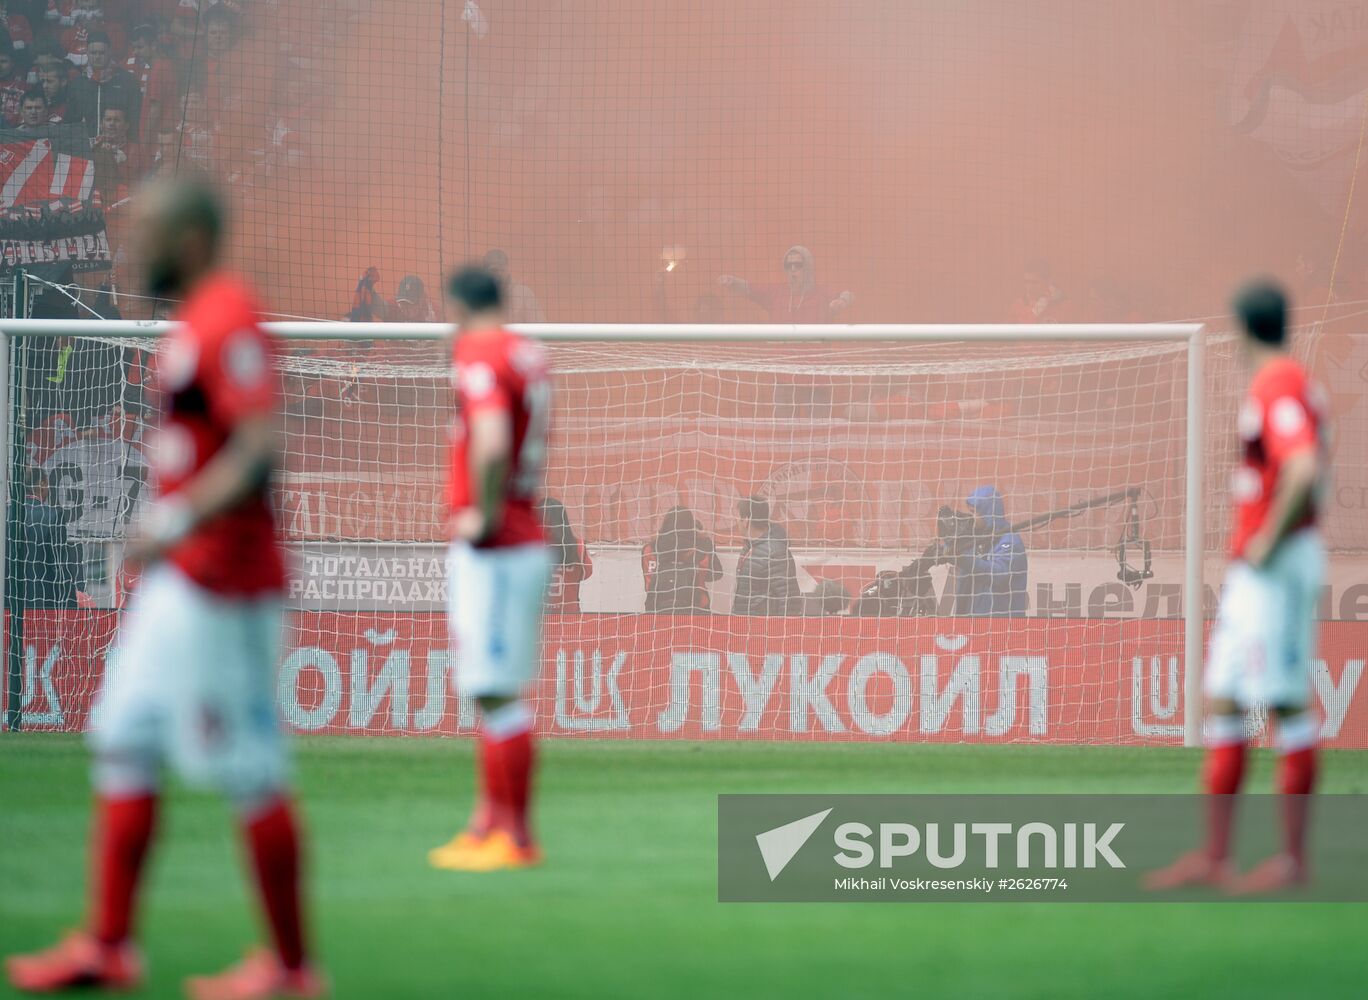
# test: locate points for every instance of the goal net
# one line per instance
(971, 534)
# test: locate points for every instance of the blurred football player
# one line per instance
(1265, 635)
(192, 681)
(499, 564)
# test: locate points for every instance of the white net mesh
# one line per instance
(898, 615)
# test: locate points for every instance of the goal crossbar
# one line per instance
(1190, 334)
(664, 332)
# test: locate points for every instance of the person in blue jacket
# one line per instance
(990, 576)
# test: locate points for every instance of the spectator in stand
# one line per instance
(368, 304)
(796, 299)
(678, 564)
(88, 23)
(766, 575)
(156, 77)
(165, 154)
(104, 85)
(16, 24)
(219, 38)
(522, 305)
(1041, 301)
(33, 112)
(53, 80)
(296, 133)
(571, 562)
(13, 86)
(47, 53)
(119, 161)
(197, 140)
(411, 303)
(60, 13)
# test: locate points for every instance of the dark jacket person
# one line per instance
(45, 564)
(991, 578)
(766, 576)
(678, 564)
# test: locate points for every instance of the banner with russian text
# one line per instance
(650, 676)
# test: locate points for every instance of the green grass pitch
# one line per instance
(626, 904)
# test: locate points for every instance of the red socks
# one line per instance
(274, 846)
(1222, 775)
(1296, 779)
(507, 758)
(1297, 772)
(489, 806)
(1224, 771)
(123, 830)
(516, 756)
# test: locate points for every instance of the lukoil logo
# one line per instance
(948, 846)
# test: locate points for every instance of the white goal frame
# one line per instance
(1190, 334)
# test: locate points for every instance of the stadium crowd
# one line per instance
(153, 87)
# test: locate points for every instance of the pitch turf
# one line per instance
(626, 903)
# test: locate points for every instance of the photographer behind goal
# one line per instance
(987, 558)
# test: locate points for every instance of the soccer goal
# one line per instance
(983, 533)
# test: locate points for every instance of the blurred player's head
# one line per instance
(476, 297)
(1262, 308)
(180, 225)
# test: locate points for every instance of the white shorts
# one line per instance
(494, 600)
(192, 681)
(1265, 635)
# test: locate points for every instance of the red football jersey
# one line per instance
(495, 370)
(218, 369)
(1282, 415)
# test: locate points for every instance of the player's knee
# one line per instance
(1298, 728)
(1223, 706)
(251, 802)
(493, 702)
(123, 774)
(508, 717)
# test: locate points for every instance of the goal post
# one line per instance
(1061, 407)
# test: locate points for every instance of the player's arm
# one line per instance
(240, 467)
(1297, 479)
(489, 450)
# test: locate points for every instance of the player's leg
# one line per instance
(509, 753)
(496, 603)
(128, 736)
(1236, 656)
(469, 599)
(1299, 567)
(229, 738)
